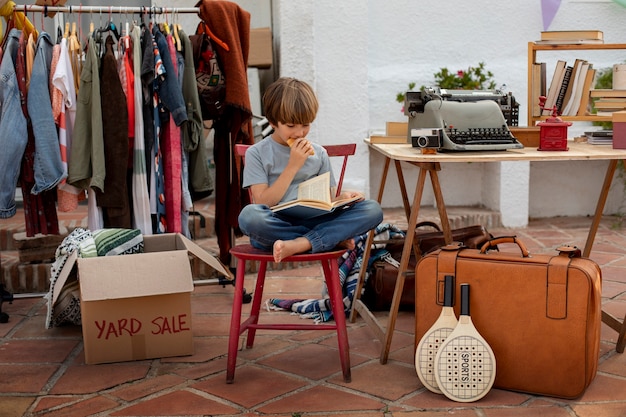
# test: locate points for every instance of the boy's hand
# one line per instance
(350, 194)
(301, 144)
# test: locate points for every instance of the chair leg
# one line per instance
(331, 273)
(621, 339)
(235, 322)
(257, 299)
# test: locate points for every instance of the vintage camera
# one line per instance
(427, 138)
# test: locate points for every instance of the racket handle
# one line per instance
(448, 291)
(465, 299)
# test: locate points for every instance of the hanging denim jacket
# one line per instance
(13, 128)
(47, 164)
(170, 91)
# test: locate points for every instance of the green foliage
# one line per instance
(474, 78)
(400, 96)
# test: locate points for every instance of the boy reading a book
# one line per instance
(276, 165)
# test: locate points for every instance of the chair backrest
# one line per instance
(344, 150)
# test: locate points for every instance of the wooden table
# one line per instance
(429, 165)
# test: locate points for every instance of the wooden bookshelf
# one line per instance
(533, 48)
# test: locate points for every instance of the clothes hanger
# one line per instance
(205, 29)
(179, 44)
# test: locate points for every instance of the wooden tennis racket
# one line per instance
(465, 367)
(433, 338)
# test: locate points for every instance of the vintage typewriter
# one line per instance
(465, 120)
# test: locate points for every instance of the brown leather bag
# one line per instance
(540, 314)
(381, 283)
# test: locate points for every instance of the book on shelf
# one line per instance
(563, 35)
(600, 92)
(555, 86)
(539, 86)
(585, 102)
(572, 86)
(606, 113)
(610, 103)
(581, 88)
(313, 199)
(570, 42)
(564, 85)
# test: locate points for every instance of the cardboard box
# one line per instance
(260, 54)
(619, 129)
(138, 306)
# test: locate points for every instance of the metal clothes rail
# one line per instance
(106, 9)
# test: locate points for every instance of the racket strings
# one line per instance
(428, 352)
(466, 367)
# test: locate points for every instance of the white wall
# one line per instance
(358, 55)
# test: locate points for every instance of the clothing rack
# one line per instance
(106, 9)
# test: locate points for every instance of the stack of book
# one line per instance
(600, 137)
(570, 88)
(571, 37)
(608, 101)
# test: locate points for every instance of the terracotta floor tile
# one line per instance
(393, 381)
(310, 361)
(42, 371)
(210, 325)
(176, 404)
(34, 327)
(615, 365)
(25, 378)
(545, 411)
(600, 410)
(36, 351)
(605, 388)
(145, 388)
(87, 407)
(205, 349)
(199, 371)
(16, 406)
(246, 390)
(49, 402)
(85, 379)
(320, 399)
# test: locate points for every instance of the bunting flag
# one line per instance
(548, 11)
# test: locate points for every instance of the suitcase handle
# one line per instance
(493, 243)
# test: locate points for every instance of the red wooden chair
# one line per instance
(246, 252)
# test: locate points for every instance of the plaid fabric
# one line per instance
(349, 268)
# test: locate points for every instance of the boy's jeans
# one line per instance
(264, 227)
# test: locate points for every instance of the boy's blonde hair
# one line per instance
(290, 101)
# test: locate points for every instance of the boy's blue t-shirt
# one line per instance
(267, 159)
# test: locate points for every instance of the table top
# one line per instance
(576, 152)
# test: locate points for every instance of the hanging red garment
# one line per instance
(231, 24)
(172, 161)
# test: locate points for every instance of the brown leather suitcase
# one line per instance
(540, 314)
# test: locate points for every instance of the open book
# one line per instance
(313, 199)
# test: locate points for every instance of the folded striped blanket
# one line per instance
(103, 242)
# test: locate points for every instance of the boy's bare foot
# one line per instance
(285, 248)
(347, 244)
